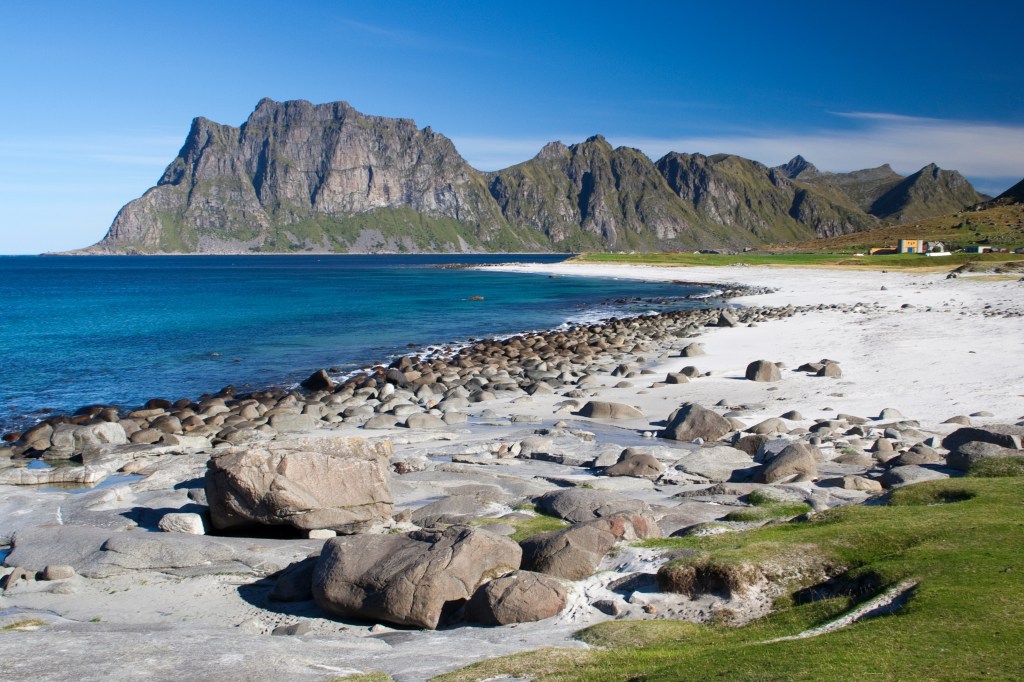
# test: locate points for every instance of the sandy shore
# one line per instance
(930, 347)
(950, 352)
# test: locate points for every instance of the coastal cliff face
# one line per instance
(299, 177)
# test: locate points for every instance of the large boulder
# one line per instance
(1003, 435)
(597, 409)
(763, 370)
(413, 579)
(576, 505)
(637, 465)
(342, 484)
(797, 461)
(972, 452)
(520, 597)
(692, 421)
(575, 553)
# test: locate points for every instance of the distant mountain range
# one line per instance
(299, 177)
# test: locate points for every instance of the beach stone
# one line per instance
(792, 415)
(889, 413)
(693, 421)
(971, 452)
(762, 370)
(797, 461)
(57, 572)
(319, 381)
(146, 436)
(917, 454)
(960, 419)
(380, 422)
(692, 350)
(182, 523)
(751, 444)
(726, 319)
(897, 477)
(860, 483)
(520, 597)
(637, 465)
(716, 463)
(676, 378)
(769, 426)
(309, 483)
(830, 370)
(576, 505)
(575, 553)
(411, 579)
(293, 423)
(422, 420)
(1003, 435)
(596, 409)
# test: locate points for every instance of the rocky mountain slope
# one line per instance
(327, 178)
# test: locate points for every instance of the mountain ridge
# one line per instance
(303, 177)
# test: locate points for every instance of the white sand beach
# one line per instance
(930, 347)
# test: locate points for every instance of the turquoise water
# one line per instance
(121, 330)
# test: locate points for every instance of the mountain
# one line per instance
(326, 178)
(1014, 195)
(889, 196)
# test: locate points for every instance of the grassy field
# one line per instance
(961, 539)
(819, 260)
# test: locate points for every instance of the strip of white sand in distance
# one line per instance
(942, 357)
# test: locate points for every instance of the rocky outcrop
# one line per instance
(327, 178)
(341, 484)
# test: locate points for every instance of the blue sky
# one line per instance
(97, 97)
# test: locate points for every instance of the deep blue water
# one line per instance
(121, 330)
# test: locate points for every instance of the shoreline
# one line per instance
(507, 429)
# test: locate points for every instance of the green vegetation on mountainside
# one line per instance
(960, 539)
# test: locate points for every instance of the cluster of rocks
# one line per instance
(413, 391)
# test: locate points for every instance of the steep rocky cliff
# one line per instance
(326, 178)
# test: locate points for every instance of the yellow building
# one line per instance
(910, 246)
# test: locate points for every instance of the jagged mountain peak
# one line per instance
(298, 176)
(798, 167)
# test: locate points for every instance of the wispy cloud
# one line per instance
(983, 151)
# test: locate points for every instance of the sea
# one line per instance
(118, 330)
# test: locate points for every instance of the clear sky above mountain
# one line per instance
(98, 97)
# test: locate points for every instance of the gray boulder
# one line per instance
(762, 370)
(412, 579)
(972, 452)
(293, 423)
(798, 461)
(898, 477)
(692, 421)
(423, 420)
(576, 505)
(637, 465)
(520, 597)
(1003, 435)
(576, 552)
(342, 484)
(597, 409)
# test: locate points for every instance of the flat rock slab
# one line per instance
(97, 553)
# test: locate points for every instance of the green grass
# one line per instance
(961, 538)
(997, 467)
(527, 528)
(22, 625)
(898, 261)
(763, 507)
